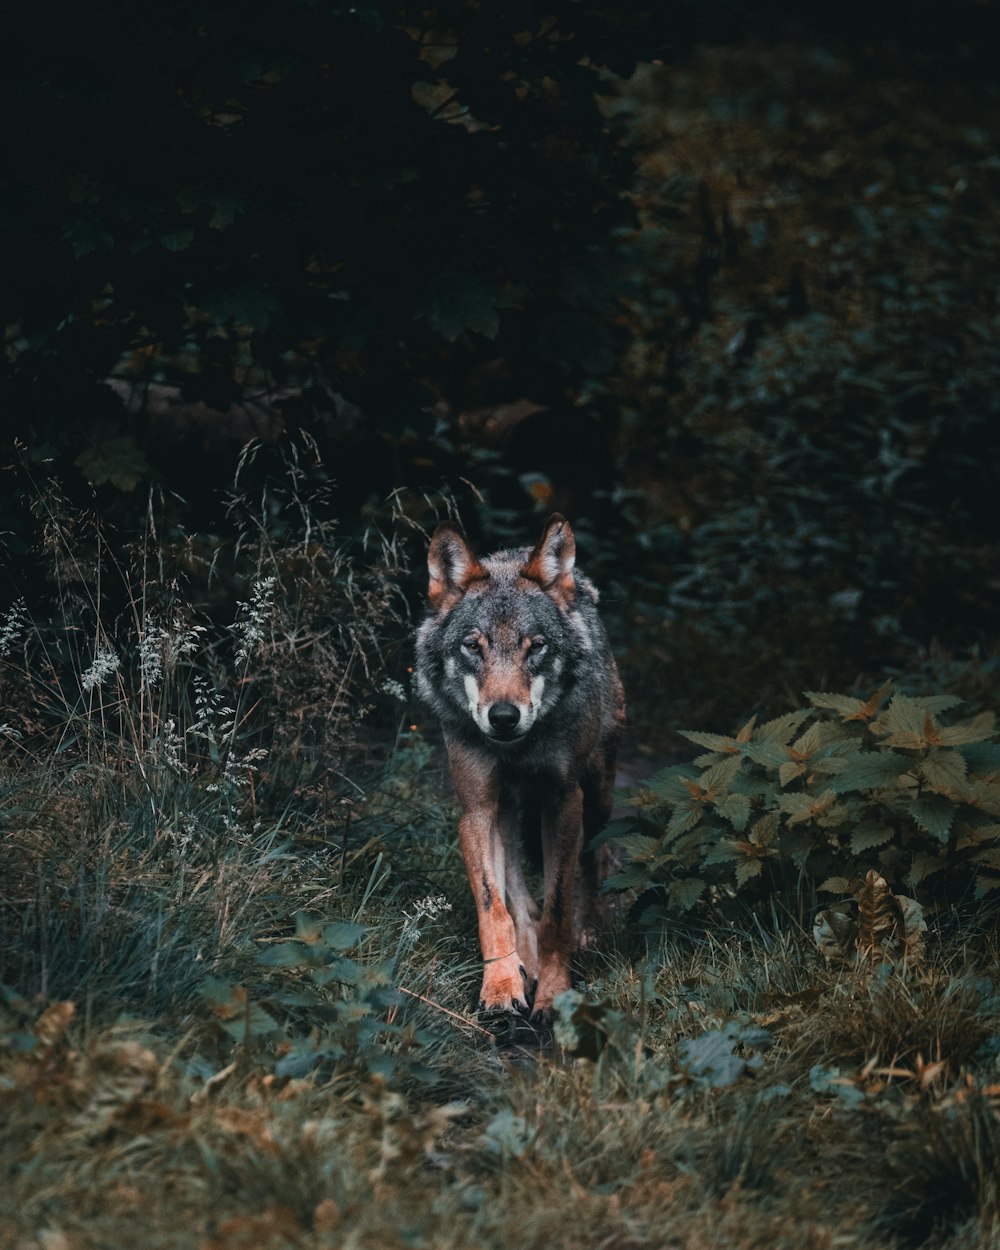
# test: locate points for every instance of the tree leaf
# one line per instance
(456, 302)
(116, 460)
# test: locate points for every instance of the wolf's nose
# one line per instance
(504, 716)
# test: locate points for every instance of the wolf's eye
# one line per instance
(537, 645)
(471, 645)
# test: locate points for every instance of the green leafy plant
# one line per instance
(822, 795)
(324, 1005)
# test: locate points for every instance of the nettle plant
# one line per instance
(821, 796)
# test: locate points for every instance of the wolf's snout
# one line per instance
(504, 717)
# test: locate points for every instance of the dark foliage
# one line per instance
(353, 211)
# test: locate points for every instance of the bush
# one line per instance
(818, 797)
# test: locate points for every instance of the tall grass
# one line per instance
(238, 957)
(178, 716)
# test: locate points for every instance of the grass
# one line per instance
(238, 964)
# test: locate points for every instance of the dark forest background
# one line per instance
(718, 281)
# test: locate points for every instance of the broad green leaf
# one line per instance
(789, 771)
(869, 770)
(725, 851)
(979, 729)
(708, 759)
(782, 728)
(934, 814)
(284, 955)
(672, 783)
(868, 835)
(747, 870)
(978, 835)
(829, 1081)
(639, 846)
(937, 702)
(684, 817)
(808, 742)
(924, 865)
(985, 884)
(906, 724)
(944, 770)
(719, 778)
(765, 829)
(736, 809)
(630, 877)
(716, 742)
(746, 732)
(767, 754)
(116, 460)
(684, 894)
(802, 807)
(307, 927)
(983, 794)
(342, 935)
(846, 706)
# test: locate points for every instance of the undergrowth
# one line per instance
(238, 963)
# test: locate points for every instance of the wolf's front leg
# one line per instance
(503, 987)
(561, 837)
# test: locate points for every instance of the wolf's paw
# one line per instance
(551, 983)
(505, 987)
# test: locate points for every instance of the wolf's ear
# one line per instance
(551, 563)
(451, 566)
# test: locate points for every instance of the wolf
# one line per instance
(514, 660)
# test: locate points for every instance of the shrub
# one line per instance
(819, 796)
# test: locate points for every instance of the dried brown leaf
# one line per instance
(878, 918)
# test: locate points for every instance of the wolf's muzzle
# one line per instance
(503, 718)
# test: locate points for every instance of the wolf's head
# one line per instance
(502, 631)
